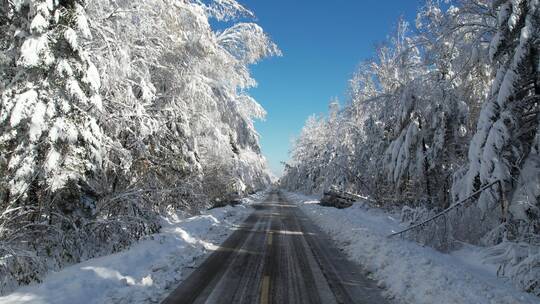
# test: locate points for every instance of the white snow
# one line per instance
(37, 122)
(82, 22)
(52, 160)
(34, 51)
(63, 68)
(24, 101)
(146, 272)
(74, 90)
(409, 272)
(39, 24)
(71, 37)
(96, 101)
(92, 77)
(71, 132)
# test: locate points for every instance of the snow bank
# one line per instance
(409, 272)
(147, 271)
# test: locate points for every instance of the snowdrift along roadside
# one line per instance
(409, 272)
(145, 272)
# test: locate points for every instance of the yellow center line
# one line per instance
(265, 290)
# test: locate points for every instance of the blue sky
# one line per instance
(322, 44)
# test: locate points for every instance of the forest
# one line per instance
(446, 112)
(113, 113)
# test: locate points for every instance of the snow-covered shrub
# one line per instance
(519, 261)
(17, 268)
(434, 233)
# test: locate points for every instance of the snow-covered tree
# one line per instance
(51, 140)
(50, 134)
(185, 93)
(465, 80)
(114, 112)
(508, 123)
(505, 146)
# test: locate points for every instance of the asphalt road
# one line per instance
(277, 256)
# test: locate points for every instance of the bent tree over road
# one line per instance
(277, 256)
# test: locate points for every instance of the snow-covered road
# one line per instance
(150, 269)
(277, 256)
(409, 272)
(144, 273)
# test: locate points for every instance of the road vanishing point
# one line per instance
(277, 256)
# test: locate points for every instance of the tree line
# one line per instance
(113, 113)
(444, 108)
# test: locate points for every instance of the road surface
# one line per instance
(277, 256)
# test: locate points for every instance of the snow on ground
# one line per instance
(147, 271)
(409, 272)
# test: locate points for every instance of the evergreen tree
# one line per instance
(49, 109)
(507, 128)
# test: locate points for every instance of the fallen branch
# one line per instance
(445, 211)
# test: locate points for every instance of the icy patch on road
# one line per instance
(147, 271)
(407, 271)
